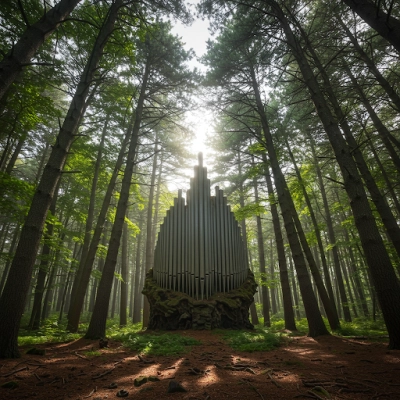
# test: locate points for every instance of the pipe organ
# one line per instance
(199, 249)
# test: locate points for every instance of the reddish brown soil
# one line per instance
(347, 369)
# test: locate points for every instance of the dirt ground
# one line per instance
(328, 367)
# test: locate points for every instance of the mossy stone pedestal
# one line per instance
(171, 310)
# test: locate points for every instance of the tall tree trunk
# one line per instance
(92, 201)
(389, 89)
(43, 159)
(353, 149)
(389, 184)
(44, 267)
(15, 154)
(64, 295)
(280, 248)
(253, 311)
(157, 206)
(315, 323)
(29, 43)
(13, 298)
(137, 304)
(383, 132)
(97, 326)
(100, 265)
(332, 238)
(385, 281)
(124, 274)
(295, 293)
(274, 308)
(48, 298)
(386, 25)
(82, 283)
(149, 230)
(14, 242)
(261, 262)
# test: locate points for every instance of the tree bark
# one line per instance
(253, 310)
(137, 303)
(14, 242)
(315, 323)
(386, 25)
(336, 261)
(280, 248)
(389, 89)
(353, 149)
(383, 132)
(384, 278)
(97, 326)
(261, 262)
(149, 229)
(30, 42)
(83, 282)
(44, 266)
(124, 273)
(331, 235)
(13, 298)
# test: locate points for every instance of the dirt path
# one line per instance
(346, 369)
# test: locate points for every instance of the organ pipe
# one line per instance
(200, 250)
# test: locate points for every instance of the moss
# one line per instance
(176, 310)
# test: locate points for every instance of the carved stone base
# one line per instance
(170, 310)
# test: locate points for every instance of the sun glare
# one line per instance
(200, 123)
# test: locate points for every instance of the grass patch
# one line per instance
(92, 353)
(250, 341)
(165, 344)
(362, 327)
(49, 332)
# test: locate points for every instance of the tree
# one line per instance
(162, 62)
(233, 66)
(385, 281)
(22, 52)
(383, 22)
(16, 288)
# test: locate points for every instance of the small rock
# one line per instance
(175, 386)
(122, 393)
(140, 381)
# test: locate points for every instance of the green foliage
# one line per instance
(92, 353)
(50, 332)
(362, 327)
(158, 345)
(133, 228)
(248, 211)
(250, 341)
(278, 324)
(16, 197)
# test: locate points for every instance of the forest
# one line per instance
(95, 139)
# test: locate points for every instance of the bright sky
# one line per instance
(195, 37)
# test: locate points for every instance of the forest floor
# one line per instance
(302, 367)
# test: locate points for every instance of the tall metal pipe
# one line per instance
(199, 248)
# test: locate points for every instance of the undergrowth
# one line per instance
(362, 327)
(50, 332)
(261, 339)
(165, 344)
(358, 327)
(250, 341)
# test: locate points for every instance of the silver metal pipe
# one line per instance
(200, 248)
